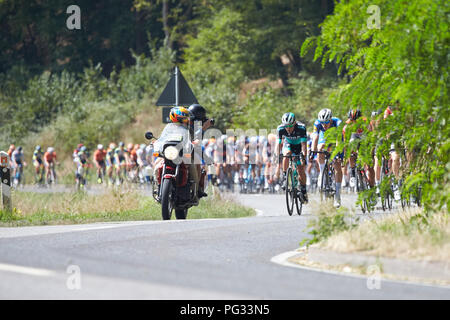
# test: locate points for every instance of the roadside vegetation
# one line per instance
(32, 208)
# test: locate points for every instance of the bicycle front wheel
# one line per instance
(290, 191)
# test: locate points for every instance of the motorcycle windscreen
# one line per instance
(176, 133)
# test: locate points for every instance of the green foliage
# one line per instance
(406, 60)
(87, 107)
(328, 223)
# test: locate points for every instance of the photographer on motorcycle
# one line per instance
(198, 124)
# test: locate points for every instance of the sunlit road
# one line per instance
(192, 259)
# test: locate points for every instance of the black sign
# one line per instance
(177, 92)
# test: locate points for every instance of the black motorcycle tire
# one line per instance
(181, 214)
(166, 205)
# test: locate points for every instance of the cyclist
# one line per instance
(11, 149)
(110, 162)
(120, 161)
(393, 153)
(81, 162)
(294, 135)
(18, 163)
(99, 161)
(38, 164)
(268, 153)
(324, 122)
(352, 117)
(311, 164)
(49, 162)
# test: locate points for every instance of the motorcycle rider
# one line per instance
(180, 118)
(198, 115)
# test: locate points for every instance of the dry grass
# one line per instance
(125, 205)
(409, 235)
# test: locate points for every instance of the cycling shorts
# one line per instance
(296, 149)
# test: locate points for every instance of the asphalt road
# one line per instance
(192, 259)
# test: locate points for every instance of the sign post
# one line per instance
(176, 93)
(5, 174)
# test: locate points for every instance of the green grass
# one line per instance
(77, 208)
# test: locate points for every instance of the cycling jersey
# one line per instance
(120, 153)
(99, 155)
(297, 136)
(387, 112)
(37, 156)
(359, 131)
(17, 157)
(320, 129)
(50, 156)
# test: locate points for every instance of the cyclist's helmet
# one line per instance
(288, 118)
(130, 146)
(354, 114)
(112, 145)
(121, 144)
(12, 147)
(197, 112)
(179, 115)
(50, 149)
(19, 149)
(325, 115)
(38, 148)
(100, 147)
(83, 149)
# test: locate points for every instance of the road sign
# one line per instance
(177, 92)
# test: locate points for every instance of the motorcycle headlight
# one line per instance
(171, 153)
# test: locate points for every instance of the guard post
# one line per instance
(5, 174)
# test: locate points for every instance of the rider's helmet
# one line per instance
(100, 147)
(83, 149)
(50, 149)
(12, 147)
(38, 148)
(121, 144)
(288, 118)
(19, 149)
(112, 145)
(354, 114)
(197, 112)
(179, 115)
(325, 115)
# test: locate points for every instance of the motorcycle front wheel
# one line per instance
(166, 199)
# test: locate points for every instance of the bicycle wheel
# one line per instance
(290, 192)
(324, 183)
(361, 186)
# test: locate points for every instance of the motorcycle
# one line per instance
(173, 188)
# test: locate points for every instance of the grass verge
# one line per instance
(412, 234)
(126, 205)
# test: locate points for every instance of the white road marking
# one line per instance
(282, 259)
(26, 270)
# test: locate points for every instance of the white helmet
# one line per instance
(288, 118)
(325, 115)
(100, 147)
(50, 149)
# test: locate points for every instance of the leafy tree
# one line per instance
(405, 60)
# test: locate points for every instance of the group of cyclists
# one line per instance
(256, 163)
